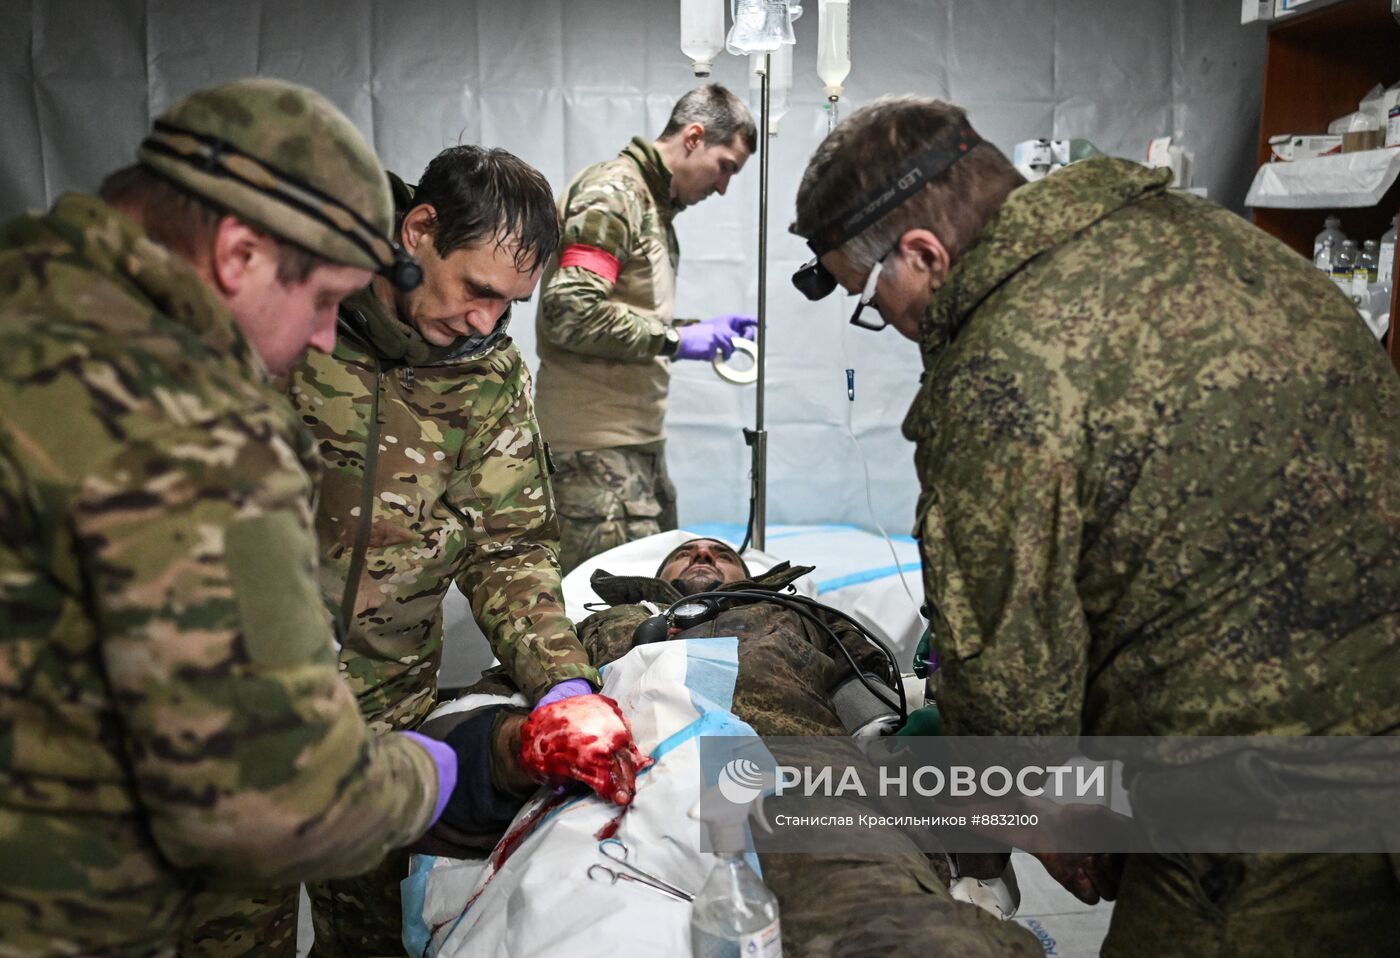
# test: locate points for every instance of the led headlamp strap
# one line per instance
(220, 158)
(912, 177)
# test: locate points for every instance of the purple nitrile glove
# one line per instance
(446, 761)
(739, 324)
(564, 690)
(703, 339)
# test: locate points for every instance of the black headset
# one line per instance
(217, 157)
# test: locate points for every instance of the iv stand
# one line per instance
(757, 437)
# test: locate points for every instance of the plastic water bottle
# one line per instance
(1342, 263)
(734, 914)
(1385, 259)
(1332, 227)
(702, 32)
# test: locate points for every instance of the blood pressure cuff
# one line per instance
(856, 706)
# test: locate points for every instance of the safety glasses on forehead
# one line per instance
(814, 280)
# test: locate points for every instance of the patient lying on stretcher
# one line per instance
(793, 680)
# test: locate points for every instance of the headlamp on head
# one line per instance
(814, 280)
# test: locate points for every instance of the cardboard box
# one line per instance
(1254, 11)
(1287, 147)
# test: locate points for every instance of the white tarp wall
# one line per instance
(564, 83)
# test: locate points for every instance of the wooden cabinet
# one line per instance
(1318, 67)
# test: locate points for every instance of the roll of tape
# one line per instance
(733, 374)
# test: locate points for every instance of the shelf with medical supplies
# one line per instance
(1330, 79)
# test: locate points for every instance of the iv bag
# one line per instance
(702, 32)
(833, 44)
(760, 26)
(779, 85)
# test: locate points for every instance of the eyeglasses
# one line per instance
(867, 296)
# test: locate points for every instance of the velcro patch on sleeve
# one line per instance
(272, 562)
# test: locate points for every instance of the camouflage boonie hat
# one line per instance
(284, 158)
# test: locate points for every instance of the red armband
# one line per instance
(591, 258)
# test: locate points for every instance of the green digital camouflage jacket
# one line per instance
(602, 320)
(460, 492)
(171, 716)
(789, 668)
(1160, 476)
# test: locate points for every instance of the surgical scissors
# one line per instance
(619, 858)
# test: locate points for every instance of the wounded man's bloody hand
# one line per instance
(584, 739)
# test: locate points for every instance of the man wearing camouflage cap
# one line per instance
(1161, 485)
(171, 716)
(607, 329)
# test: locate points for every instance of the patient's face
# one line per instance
(700, 565)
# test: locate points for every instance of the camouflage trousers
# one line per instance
(1243, 906)
(607, 497)
(360, 917)
(882, 905)
(242, 925)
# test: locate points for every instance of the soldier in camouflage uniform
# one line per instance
(434, 473)
(1161, 484)
(606, 326)
(171, 716)
(894, 902)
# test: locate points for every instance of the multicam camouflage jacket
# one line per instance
(171, 716)
(1160, 476)
(607, 299)
(460, 492)
(789, 668)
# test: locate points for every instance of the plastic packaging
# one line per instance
(760, 26)
(1374, 308)
(1373, 105)
(1385, 258)
(702, 33)
(734, 913)
(779, 84)
(1332, 227)
(1342, 262)
(833, 51)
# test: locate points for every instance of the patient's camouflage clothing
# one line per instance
(894, 901)
(1160, 489)
(603, 382)
(171, 716)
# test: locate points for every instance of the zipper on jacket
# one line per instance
(357, 557)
